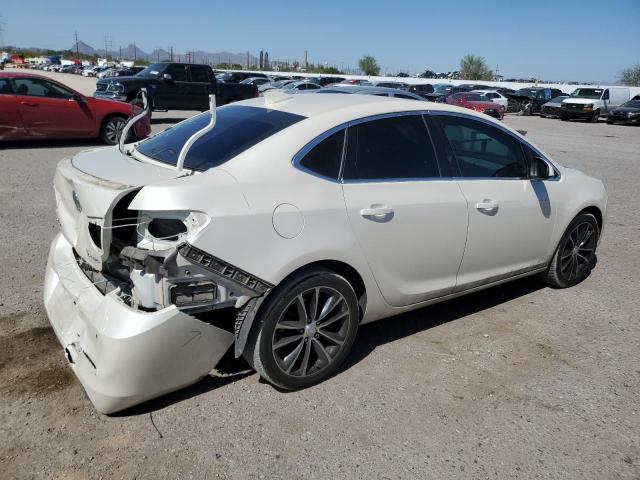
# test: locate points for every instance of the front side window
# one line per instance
(325, 158)
(390, 148)
(178, 73)
(483, 150)
(35, 87)
(5, 86)
(237, 129)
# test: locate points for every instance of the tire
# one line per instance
(595, 117)
(111, 128)
(563, 119)
(575, 256)
(322, 339)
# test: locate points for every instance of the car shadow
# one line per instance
(370, 336)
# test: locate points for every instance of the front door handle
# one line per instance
(376, 211)
(487, 206)
(28, 104)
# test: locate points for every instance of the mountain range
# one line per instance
(132, 52)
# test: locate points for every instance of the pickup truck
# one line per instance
(173, 86)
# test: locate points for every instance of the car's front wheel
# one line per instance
(575, 256)
(304, 331)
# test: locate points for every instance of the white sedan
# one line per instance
(294, 220)
(495, 97)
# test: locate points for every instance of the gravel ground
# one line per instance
(519, 381)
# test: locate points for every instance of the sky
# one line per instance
(554, 40)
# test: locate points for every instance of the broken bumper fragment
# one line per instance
(124, 356)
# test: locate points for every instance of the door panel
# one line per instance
(200, 87)
(410, 224)
(49, 110)
(510, 225)
(413, 238)
(174, 93)
(10, 119)
(511, 217)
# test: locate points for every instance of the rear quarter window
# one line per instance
(325, 158)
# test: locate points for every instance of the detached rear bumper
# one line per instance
(124, 356)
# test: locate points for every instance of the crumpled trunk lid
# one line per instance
(88, 187)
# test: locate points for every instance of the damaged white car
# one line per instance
(288, 223)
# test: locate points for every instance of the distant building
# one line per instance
(266, 60)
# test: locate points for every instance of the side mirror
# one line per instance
(540, 169)
(167, 77)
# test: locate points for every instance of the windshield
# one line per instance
(528, 92)
(443, 89)
(237, 129)
(594, 93)
(632, 103)
(151, 71)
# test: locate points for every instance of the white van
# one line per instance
(593, 103)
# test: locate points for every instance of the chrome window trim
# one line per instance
(297, 158)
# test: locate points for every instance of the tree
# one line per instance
(369, 65)
(474, 67)
(631, 76)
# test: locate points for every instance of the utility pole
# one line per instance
(135, 53)
(1, 30)
(77, 48)
(171, 54)
(107, 46)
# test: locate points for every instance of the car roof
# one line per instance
(369, 89)
(23, 75)
(340, 108)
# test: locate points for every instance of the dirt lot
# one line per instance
(520, 381)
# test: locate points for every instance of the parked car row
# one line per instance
(591, 104)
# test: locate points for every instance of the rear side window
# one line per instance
(199, 74)
(325, 158)
(483, 150)
(237, 129)
(390, 148)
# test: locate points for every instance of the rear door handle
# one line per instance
(487, 206)
(376, 211)
(28, 104)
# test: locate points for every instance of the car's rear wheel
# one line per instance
(304, 331)
(112, 128)
(575, 256)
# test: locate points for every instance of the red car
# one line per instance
(477, 102)
(37, 107)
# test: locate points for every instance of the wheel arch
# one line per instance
(246, 316)
(596, 212)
